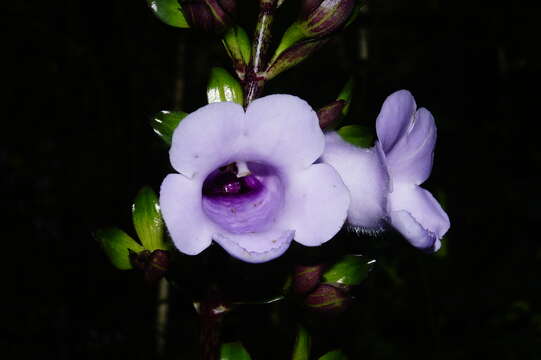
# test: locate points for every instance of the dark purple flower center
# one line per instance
(243, 204)
(225, 182)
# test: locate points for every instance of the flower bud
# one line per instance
(306, 278)
(321, 19)
(328, 299)
(210, 15)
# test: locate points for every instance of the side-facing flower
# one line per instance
(384, 180)
(248, 180)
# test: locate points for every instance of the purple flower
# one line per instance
(248, 180)
(384, 180)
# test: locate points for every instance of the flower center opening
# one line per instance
(243, 197)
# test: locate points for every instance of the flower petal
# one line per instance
(207, 139)
(316, 205)
(394, 118)
(180, 203)
(366, 178)
(256, 247)
(411, 158)
(417, 216)
(283, 130)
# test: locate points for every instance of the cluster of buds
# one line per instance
(326, 289)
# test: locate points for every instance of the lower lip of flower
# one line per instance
(244, 204)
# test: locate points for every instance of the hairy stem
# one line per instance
(255, 79)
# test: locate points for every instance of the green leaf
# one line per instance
(116, 243)
(165, 122)
(346, 94)
(168, 11)
(350, 270)
(147, 219)
(302, 345)
(223, 87)
(234, 351)
(357, 135)
(334, 355)
(238, 45)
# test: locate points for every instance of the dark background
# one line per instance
(83, 78)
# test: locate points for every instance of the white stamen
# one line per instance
(242, 169)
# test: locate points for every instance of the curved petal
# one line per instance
(365, 176)
(207, 138)
(394, 118)
(180, 203)
(417, 216)
(411, 158)
(257, 247)
(283, 130)
(316, 205)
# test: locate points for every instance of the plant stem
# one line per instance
(211, 312)
(255, 79)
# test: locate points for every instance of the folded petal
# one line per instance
(417, 216)
(316, 205)
(365, 176)
(394, 118)
(207, 138)
(411, 158)
(180, 203)
(283, 130)
(256, 247)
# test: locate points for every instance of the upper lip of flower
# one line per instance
(281, 135)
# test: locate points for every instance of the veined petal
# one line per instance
(283, 130)
(411, 158)
(207, 138)
(365, 176)
(316, 205)
(417, 216)
(180, 203)
(255, 247)
(394, 118)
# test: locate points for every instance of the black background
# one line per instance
(82, 80)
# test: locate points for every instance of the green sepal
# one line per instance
(301, 351)
(223, 87)
(334, 355)
(116, 244)
(233, 351)
(238, 45)
(168, 11)
(346, 94)
(293, 35)
(165, 122)
(350, 270)
(147, 219)
(357, 135)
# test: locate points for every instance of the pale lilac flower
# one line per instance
(384, 180)
(248, 180)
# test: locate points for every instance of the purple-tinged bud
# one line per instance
(325, 18)
(330, 114)
(209, 15)
(306, 278)
(198, 15)
(328, 299)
